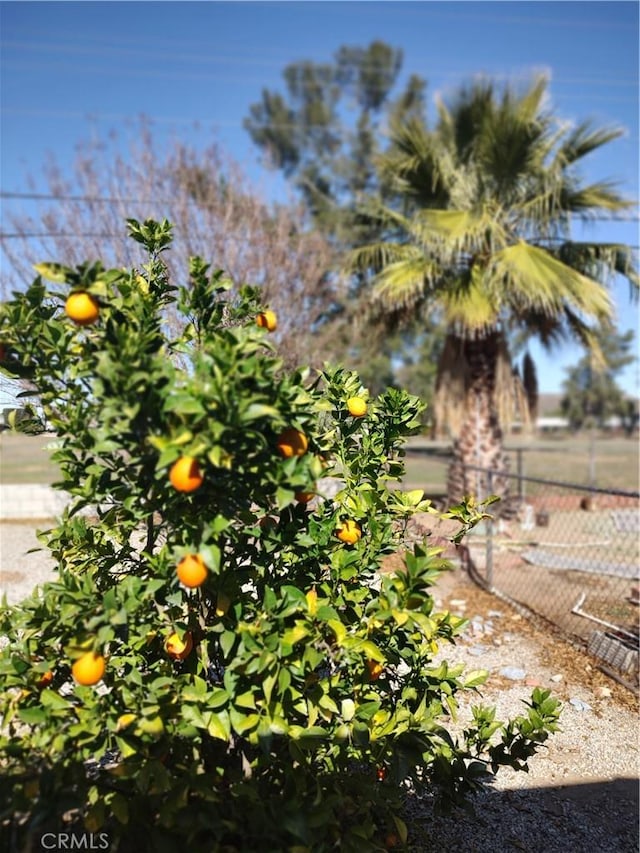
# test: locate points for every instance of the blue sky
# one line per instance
(69, 68)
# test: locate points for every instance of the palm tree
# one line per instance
(481, 236)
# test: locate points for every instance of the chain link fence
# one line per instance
(571, 555)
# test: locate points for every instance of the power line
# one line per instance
(213, 123)
(120, 236)
(124, 200)
(217, 58)
(30, 235)
(214, 76)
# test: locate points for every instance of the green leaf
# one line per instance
(477, 676)
(53, 272)
(401, 826)
(219, 726)
(294, 635)
(338, 629)
(32, 716)
(245, 700)
(348, 709)
(228, 640)
(259, 410)
(193, 715)
(217, 697)
(120, 808)
(126, 748)
(372, 651)
(243, 723)
(268, 683)
(279, 726)
(52, 699)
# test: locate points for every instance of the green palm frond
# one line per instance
(404, 283)
(594, 198)
(528, 107)
(417, 165)
(584, 139)
(460, 231)
(378, 256)
(530, 277)
(542, 211)
(468, 306)
(587, 336)
(548, 329)
(598, 259)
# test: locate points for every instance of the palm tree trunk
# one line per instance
(479, 443)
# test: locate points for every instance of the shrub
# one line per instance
(286, 699)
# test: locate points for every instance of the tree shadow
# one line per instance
(574, 817)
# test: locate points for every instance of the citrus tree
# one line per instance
(219, 663)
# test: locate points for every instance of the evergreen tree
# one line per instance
(591, 393)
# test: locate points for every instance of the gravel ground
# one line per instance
(581, 793)
(20, 571)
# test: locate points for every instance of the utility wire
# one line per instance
(120, 236)
(209, 122)
(217, 58)
(125, 200)
(426, 13)
(213, 77)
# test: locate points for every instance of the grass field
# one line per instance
(566, 460)
(25, 459)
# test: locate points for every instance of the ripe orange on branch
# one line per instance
(267, 320)
(185, 474)
(292, 442)
(349, 531)
(89, 668)
(45, 680)
(357, 407)
(177, 648)
(375, 669)
(82, 308)
(192, 571)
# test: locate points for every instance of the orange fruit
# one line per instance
(45, 679)
(185, 474)
(305, 497)
(292, 442)
(381, 774)
(391, 841)
(82, 308)
(375, 669)
(89, 668)
(349, 531)
(192, 571)
(267, 320)
(178, 648)
(357, 407)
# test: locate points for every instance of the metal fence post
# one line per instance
(489, 545)
(520, 479)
